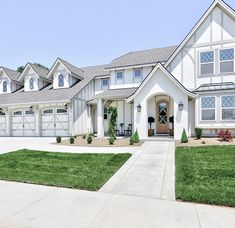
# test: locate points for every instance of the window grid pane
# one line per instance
(4, 86)
(227, 54)
(228, 101)
(207, 57)
(208, 102)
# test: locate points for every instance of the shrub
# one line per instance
(225, 135)
(89, 139)
(198, 133)
(136, 137)
(84, 136)
(71, 140)
(92, 134)
(184, 137)
(131, 140)
(112, 122)
(111, 141)
(203, 142)
(58, 139)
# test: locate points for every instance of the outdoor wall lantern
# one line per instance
(67, 106)
(31, 108)
(139, 108)
(181, 106)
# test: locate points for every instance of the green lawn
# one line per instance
(81, 171)
(206, 174)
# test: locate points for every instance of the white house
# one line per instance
(181, 87)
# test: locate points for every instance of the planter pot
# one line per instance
(150, 132)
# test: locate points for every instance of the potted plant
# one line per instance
(151, 120)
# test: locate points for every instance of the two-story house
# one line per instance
(181, 87)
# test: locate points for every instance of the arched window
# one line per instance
(4, 86)
(61, 80)
(31, 84)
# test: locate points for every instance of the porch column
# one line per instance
(37, 122)
(100, 118)
(8, 123)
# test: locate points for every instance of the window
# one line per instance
(227, 60)
(105, 113)
(61, 111)
(208, 108)
(138, 74)
(119, 77)
(4, 86)
(31, 84)
(29, 112)
(48, 111)
(105, 83)
(61, 80)
(18, 113)
(2, 113)
(228, 107)
(207, 63)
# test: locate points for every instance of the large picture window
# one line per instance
(227, 60)
(228, 107)
(208, 108)
(207, 60)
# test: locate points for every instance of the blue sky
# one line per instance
(91, 32)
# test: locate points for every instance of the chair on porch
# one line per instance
(128, 131)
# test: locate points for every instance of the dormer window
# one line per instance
(31, 84)
(4, 86)
(61, 80)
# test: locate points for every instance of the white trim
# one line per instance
(171, 77)
(199, 61)
(198, 24)
(54, 66)
(221, 109)
(200, 109)
(130, 66)
(219, 61)
(26, 67)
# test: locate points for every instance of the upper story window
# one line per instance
(4, 86)
(208, 108)
(138, 75)
(207, 61)
(119, 77)
(61, 80)
(228, 107)
(105, 83)
(31, 84)
(226, 60)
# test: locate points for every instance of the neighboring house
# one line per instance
(192, 84)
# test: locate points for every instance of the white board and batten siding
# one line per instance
(81, 116)
(215, 33)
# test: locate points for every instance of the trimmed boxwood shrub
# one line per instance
(71, 140)
(58, 139)
(184, 137)
(89, 139)
(111, 140)
(198, 133)
(136, 137)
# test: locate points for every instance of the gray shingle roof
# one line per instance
(72, 68)
(150, 56)
(48, 94)
(41, 71)
(12, 74)
(216, 87)
(116, 93)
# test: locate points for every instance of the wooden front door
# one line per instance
(162, 118)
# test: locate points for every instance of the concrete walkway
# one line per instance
(149, 173)
(33, 206)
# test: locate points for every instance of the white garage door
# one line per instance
(23, 123)
(2, 124)
(55, 122)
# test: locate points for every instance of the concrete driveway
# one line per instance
(139, 195)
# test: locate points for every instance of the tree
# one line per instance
(21, 68)
(112, 121)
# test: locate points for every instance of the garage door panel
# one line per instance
(61, 132)
(48, 133)
(28, 132)
(62, 118)
(48, 126)
(64, 125)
